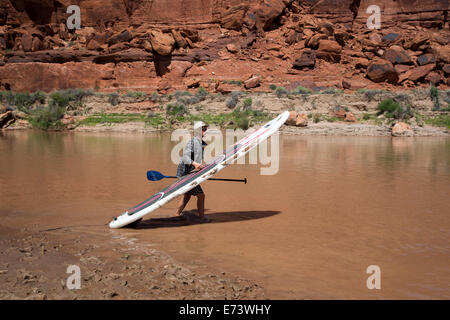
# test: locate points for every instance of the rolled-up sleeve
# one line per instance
(186, 158)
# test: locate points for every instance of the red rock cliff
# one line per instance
(174, 44)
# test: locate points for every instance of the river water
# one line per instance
(336, 206)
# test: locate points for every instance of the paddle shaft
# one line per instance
(217, 179)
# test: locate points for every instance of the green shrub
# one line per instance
(280, 91)
(247, 104)
(434, 94)
(442, 120)
(233, 99)
(272, 87)
(47, 117)
(201, 93)
(176, 110)
(301, 90)
(154, 97)
(113, 98)
(135, 94)
(367, 116)
(331, 91)
(316, 118)
(370, 94)
(23, 101)
(393, 109)
(235, 82)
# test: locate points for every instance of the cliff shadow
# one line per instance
(162, 63)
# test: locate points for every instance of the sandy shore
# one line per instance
(313, 129)
(34, 264)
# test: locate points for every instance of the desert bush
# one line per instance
(301, 90)
(247, 104)
(113, 98)
(233, 99)
(281, 91)
(176, 110)
(393, 109)
(434, 94)
(47, 117)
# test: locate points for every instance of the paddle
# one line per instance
(156, 176)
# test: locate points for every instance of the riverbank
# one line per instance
(326, 112)
(34, 266)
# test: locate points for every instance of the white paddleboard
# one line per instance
(187, 182)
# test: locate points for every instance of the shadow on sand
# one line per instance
(217, 217)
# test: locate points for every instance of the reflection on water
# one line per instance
(336, 206)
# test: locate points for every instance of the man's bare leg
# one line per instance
(182, 203)
(201, 205)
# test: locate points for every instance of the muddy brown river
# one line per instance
(336, 206)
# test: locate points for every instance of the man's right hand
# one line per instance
(198, 166)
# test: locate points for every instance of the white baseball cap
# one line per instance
(199, 125)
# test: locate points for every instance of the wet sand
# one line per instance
(336, 206)
(34, 266)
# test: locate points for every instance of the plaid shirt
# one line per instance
(193, 152)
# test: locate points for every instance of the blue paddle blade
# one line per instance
(155, 175)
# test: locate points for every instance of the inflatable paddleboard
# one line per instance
(187, 182)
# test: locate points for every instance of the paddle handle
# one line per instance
(236, 180)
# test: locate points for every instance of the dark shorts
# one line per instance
(183, 170)
(195, 191)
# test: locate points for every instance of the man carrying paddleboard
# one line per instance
(192, 159)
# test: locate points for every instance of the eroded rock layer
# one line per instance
(169, 45)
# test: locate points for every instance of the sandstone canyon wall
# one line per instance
(170, 45)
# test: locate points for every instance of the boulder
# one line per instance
(292, 118)
(124, 36)
(231, 47)
(93, 45)
(306, 60)
(418, 42)
(27, 42)
(339, 112)
(341, 37)
(361, 63)
(297, 119)
(293, 37)
(329, 46)
(426, 59)
(446, 69)
(162, 43)
(433, 77)
(263, 15)
(401, 129)
(6, 119)
(233, 17)
(180, 41)
(397, 55)
(418, 73)
(227, 87)
(253, 82)
(353, 84)
(36, 44)
(301, 120)
(381, 70)
(401, 68)
(390, 37)
(313, 42)
(442, 53)
(350, 117)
